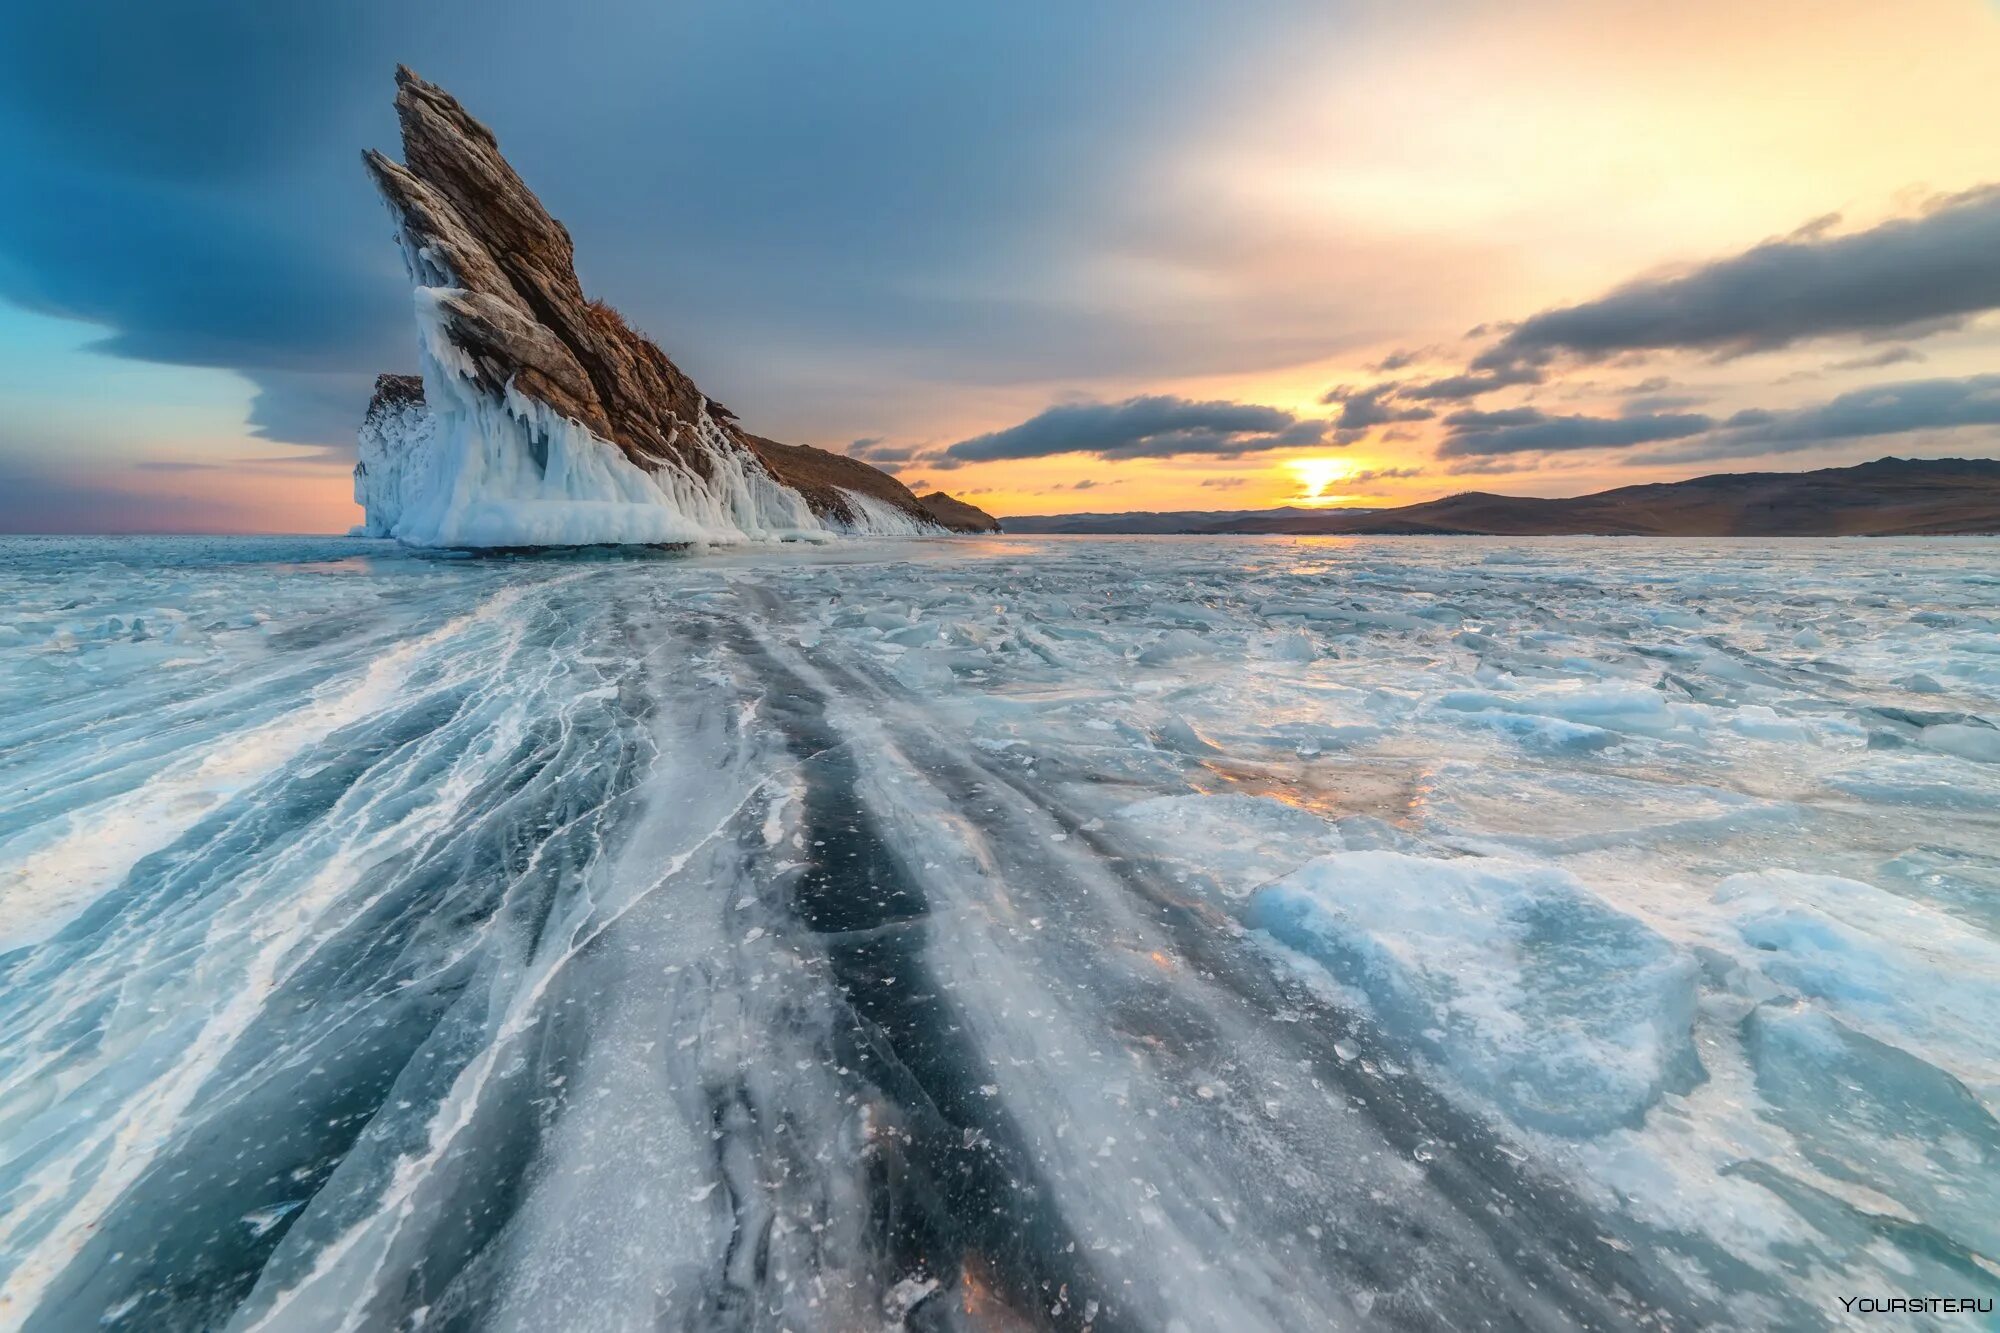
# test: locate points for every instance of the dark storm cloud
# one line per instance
(182, 93)
(1885, 409)
(747, 180)
(182, 175)
(191, 279)
(1530, 430)
(1925, 272)
(1155, 426)
(301, 406)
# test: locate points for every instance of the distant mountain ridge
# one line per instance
(1889, 497)
(1142, 521)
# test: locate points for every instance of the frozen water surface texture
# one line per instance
(1051, 933)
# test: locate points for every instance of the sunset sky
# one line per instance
(1049, 257)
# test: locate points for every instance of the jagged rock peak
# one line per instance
(512, 298)
(542, 417)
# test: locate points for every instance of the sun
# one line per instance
(1315, 475)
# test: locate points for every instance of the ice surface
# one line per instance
(1515, 977)
(1260, 934)
(1875, 957)
(1866, 1112)
(1252, 839)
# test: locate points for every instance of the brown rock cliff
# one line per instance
(509, 300)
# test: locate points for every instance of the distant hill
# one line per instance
(1886, 498)
(956, 514)
(1183, 520)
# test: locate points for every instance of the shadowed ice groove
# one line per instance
(233, 963)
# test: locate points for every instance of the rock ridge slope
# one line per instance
(541, 417)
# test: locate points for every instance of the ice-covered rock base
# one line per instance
(459, 468)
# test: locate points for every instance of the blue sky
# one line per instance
(908, 229)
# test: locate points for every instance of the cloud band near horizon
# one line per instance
(1148, 426)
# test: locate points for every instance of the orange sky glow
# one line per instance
(1400, 184)
(1432, 176)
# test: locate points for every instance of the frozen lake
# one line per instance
(1165, 933)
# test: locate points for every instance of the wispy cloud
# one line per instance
(1362, 409)
(882, 453)
(1888, 356)
(1470, 384)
